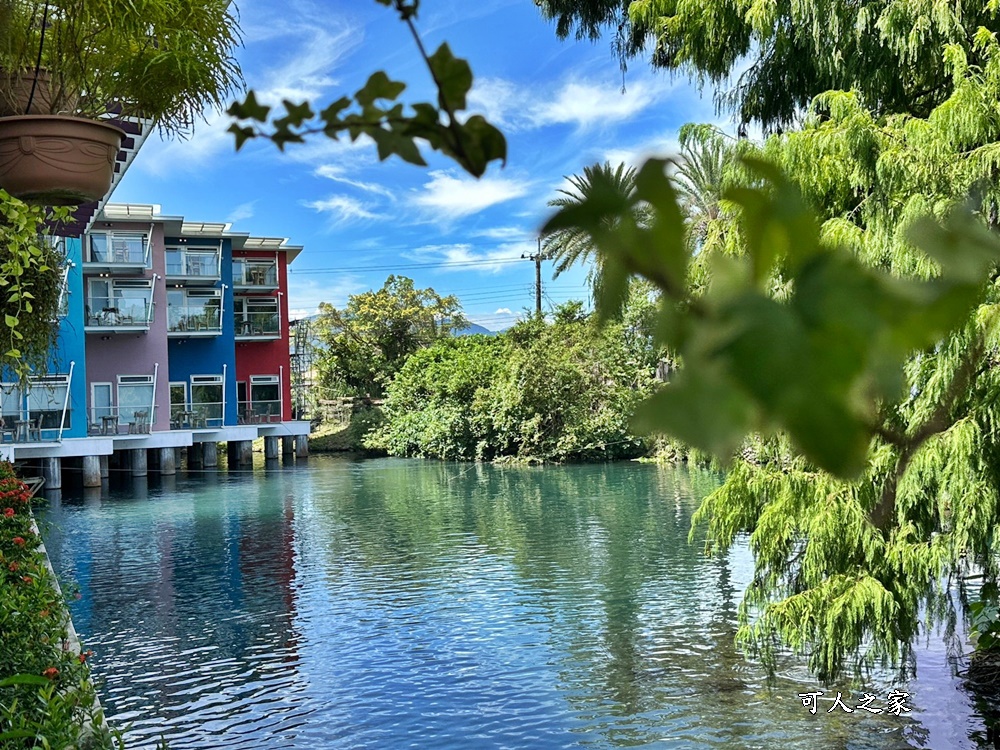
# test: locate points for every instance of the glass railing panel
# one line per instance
(117, 312)
(193, 319)
(258, 324)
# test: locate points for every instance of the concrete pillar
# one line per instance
(270, 446)
(168, 465)
(233, 454)
(302, 446)
(211, 454)
(195, 459)
(138, 461)
(246, 452)
(105, 468)
(92, 471)
(52, 473)
(287, 445)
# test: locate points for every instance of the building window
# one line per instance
(47, 397)
(135, 394)
(265, 397)
(207, 397)
(178, 400)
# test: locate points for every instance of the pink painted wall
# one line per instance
(136, 353)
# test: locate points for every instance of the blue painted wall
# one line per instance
(71, 343)
(206, 356)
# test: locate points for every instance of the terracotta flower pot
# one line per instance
(57, 161)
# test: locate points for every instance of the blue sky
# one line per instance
(559, 103)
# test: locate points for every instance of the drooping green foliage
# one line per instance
(365, 344)
(785, 52)
(30, 286)
(539, 392)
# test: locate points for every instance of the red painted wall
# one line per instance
(269, 357)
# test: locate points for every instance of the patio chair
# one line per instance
(6, 430)
(139, 424)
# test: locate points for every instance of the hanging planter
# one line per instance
(56, 160)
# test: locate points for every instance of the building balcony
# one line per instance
(114, 316)
(116, 253)
(258, 326)
(193, 267)
(255, 276)
(193, 321)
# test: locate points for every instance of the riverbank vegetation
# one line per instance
(46, 698)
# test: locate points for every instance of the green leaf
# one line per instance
(24, 679)
(454, 78)
(249, 109)
(378, 86)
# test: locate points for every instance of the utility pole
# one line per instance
(538, 257)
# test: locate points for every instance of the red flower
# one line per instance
(8, 512)
(19, 541)
(84, 655)
(50, 672)
(13, 567)
(43, 613)
(27, 579)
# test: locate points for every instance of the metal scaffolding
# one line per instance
(303, 358)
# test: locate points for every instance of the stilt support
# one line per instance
(105, 468)
(270, 446)
(139, 463)
(211, 454)
(168, 463)
(195, 456)
(287, 445)
(52, 473)
(92, 471)
(246, 452)
(302, 446)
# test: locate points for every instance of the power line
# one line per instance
(439, 264)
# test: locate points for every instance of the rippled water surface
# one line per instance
(409, 604)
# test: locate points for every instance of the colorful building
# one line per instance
(172, 334)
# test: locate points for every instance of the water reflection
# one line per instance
(350, 604)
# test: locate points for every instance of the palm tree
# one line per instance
(573, 245)
(700, 178)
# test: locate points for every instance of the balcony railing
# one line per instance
(196, 416)
(129, 253)
(111, 420)
(259, 412)
(255, 276)
(114, 314)
(193, 320)
(190, 266)
(258, 326)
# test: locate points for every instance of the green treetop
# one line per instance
(769, 59)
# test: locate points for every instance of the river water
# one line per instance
(415, 604)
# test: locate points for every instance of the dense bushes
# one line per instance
(542, 391)
(46, 699)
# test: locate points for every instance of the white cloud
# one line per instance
(451, 197)
(579, 102)
(241, 212)
(464, 257)
(503, 311)
(318, 47)
(336, 173)
(343, 209)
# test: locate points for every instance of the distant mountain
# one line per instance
(472, 329)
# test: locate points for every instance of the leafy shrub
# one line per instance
(46, 699)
